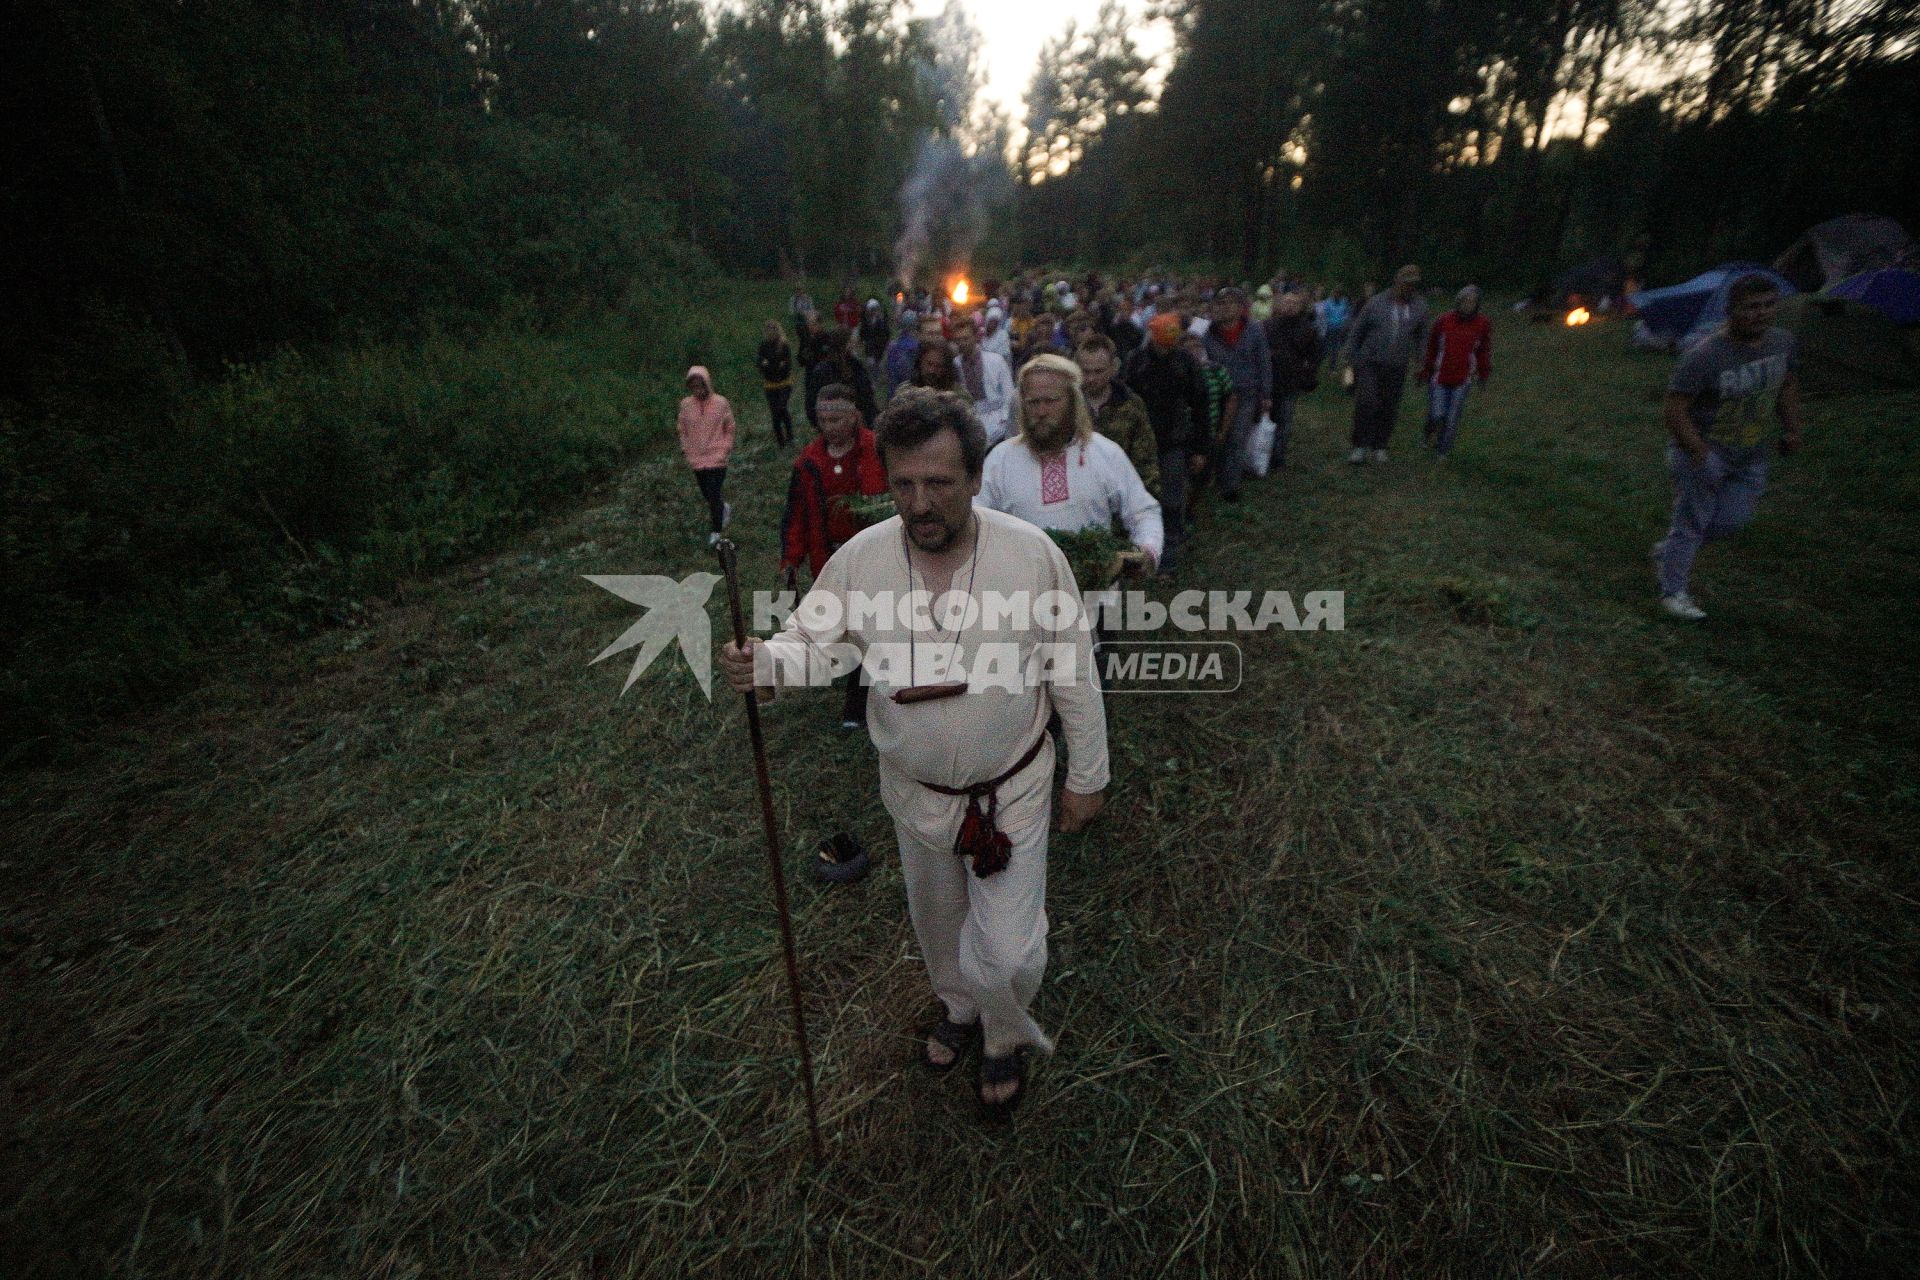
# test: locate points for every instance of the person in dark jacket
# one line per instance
(776, 377)
(1294, 344)
(875, 333)
(1389, 332)
(838, 364)
(1233, 343)
(1118, 414)
(811, 344)
(1168, 381)
(1115, 321)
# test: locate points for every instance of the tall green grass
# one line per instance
(143, 537)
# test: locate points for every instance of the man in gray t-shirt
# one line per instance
(1715, 413)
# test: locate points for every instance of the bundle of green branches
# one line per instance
(868, 510)
(1093, 555)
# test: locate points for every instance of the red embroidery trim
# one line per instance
(1053, 479)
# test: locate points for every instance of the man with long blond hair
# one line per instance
(1058, 472)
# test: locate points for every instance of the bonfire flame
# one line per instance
(960, 292)
(1578, 316)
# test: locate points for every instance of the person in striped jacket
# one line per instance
(1459, 350)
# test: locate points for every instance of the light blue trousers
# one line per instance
(1443, 407)
(1709, 502)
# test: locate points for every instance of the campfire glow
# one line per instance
(960, 292)
(1578, 316)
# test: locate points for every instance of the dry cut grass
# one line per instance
(1507, 932)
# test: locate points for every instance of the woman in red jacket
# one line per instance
(1459, 348)
(841, 464)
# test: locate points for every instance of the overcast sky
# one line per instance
(1014, 30)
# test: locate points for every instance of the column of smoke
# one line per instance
(948, 197)
(945, 204)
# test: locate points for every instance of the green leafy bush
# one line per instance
(275, 497)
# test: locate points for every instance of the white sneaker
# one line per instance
(726, 514)
(713, 539)
(1379, 455)
(1683, 607)
(1357, 457)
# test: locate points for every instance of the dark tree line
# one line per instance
(1501, 138)
(192, 182)
(200, 181)
(284, 278)
(304, 296)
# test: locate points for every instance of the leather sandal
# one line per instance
(1003, 1070)
(956, 1036)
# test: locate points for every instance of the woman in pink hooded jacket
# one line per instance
(706, 437)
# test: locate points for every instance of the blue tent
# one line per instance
(1893, 291)
(1679, 314)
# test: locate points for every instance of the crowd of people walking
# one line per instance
(1196, 381)
(1066, 407)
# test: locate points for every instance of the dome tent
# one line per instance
(1893, 290)
(1678, 315)
(1840, 247)
(1847, 346)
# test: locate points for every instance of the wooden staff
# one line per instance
(729, 567)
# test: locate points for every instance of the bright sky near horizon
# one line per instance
(1012, 32)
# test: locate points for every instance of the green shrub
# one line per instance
(272, 499)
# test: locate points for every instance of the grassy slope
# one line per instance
(1509, 931)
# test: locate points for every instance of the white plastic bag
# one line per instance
(1260, 445)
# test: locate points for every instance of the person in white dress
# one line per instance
(994, 328)
(985, 376)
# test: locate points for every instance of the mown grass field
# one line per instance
(1512, 931)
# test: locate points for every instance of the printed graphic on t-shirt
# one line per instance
(1734, 385)
(1747, 394)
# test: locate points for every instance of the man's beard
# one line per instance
(1048, 439)
(936, 535)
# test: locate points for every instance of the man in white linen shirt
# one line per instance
(978, 748)
(1058, 472)
(985, 376)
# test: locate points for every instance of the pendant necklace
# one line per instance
(947, 688)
